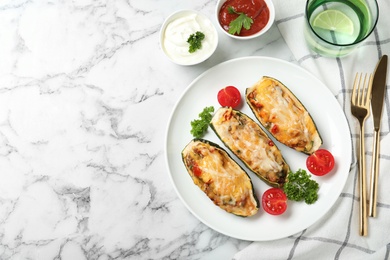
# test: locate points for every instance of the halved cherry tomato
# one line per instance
(229, 97)
(274, 201)
(320, 162)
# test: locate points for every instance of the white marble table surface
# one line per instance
(85, 96)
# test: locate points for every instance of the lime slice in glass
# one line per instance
(334, 20)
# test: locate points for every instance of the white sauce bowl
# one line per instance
(175, 32)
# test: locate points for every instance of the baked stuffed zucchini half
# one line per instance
(283, 115)
(220, 177)
(245, 138)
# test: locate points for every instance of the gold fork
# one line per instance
(360, 108)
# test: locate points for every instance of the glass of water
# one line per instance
(334, 28)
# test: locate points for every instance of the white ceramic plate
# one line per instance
(318, 100)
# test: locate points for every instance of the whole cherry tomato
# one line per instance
(320, 162)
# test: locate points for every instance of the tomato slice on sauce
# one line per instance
(274, 201)
(229, 97)
(320, 162)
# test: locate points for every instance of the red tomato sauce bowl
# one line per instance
(262, 13)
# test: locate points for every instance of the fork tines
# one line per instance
(361, 88)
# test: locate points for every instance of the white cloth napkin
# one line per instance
(336, 235)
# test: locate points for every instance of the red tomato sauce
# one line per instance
(255, 9)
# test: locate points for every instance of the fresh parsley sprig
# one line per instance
(242, 20)
(301, 187)
(199, 126)
(195, 41)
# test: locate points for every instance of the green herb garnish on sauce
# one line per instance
(242, 20)
(301, 187)
(195, 41)
(199, 126)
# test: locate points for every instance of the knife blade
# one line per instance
(378, 90)
(377, 99)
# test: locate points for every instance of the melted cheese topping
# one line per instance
(283, 115)
(246, 139)
(220, 178)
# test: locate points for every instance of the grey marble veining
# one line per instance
(85, 97)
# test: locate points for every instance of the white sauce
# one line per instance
(179, 30)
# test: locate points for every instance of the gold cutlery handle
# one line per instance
(374, 175)
(362, 185)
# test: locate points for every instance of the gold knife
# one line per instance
(377, 97)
